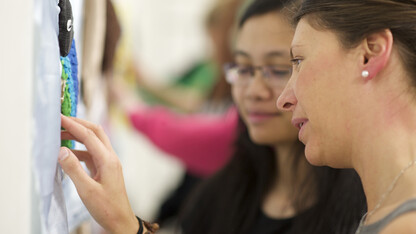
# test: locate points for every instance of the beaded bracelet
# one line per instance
(140, 225)
(151, 227)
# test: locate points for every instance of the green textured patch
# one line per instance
(66, 108)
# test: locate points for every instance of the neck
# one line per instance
(380, 164)
(290, 174)
(381, 155)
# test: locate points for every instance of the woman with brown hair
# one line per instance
(352, 95)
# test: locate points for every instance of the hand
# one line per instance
(103, 193)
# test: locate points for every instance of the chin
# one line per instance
(270, 140)
(261, 138)
(318, 158)
(313, 157)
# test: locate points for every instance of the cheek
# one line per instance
(237, 95)
(310, 78)
(272, 135)
(305, 88)
(318, 89)
(281, 130)
(290, 133)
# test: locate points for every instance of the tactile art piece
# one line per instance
(69, 94)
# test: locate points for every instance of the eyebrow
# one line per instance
(275, 54)
(269, 54)
(241, 53)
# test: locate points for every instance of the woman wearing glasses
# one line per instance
(268, 186)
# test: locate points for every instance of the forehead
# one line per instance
(307, 36)
(260, 34)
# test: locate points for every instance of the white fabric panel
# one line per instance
(47, 104)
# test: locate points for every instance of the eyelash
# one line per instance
(296, 61)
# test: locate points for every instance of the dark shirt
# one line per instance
(267, 225)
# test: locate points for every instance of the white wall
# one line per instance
(16, 74)
(167, 36)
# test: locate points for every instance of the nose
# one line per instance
(287, 100)
(257, 88)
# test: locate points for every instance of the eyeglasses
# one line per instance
(275, 76)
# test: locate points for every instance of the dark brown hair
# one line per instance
(231, 200)
(353, 20)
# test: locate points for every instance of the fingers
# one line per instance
(86, 136)
(72, 167)
(65, 135)
(86, 157)
(96, 129)
(82, 155)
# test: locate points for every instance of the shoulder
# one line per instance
(406, 223)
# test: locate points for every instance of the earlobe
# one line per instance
(377, 50)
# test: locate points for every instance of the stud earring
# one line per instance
(365, 74)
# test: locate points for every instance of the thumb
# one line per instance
(72, 167)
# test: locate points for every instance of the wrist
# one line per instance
(140, 222)
(146, 227)
(134, 227)
(128, 226)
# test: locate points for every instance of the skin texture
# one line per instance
(264, 41)
(367, 123)
(317, 78)
(103, 193)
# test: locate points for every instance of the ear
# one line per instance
(376, 52)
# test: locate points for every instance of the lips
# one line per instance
(299, 122)
(257, 117)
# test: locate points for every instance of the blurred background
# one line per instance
(144, 67)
